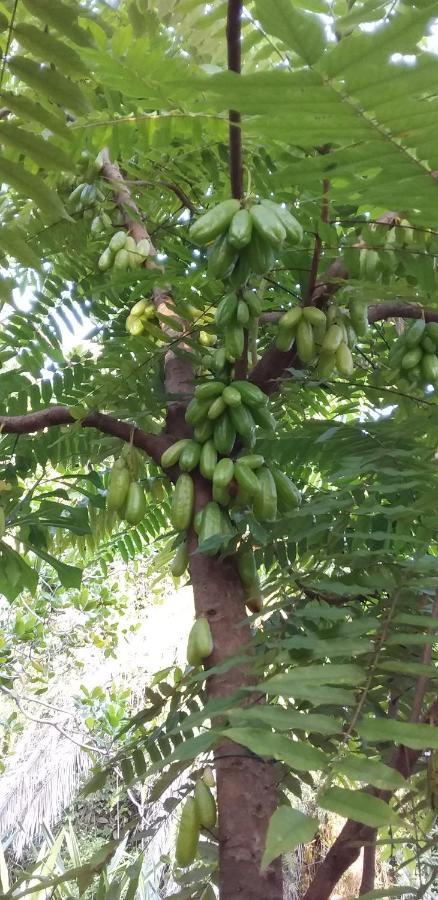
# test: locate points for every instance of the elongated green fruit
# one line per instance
(432, 331)
(428, 345)
(226, 310)
(197, 520)
(246, 566)
(429, 367)
(181, 510)
(223, 473)
(240, 230)
(211, 524)
(224, 436)
(135, 504)
(243, 422)
(208, 460)
(222, 258)
(208, 777)
(291, 318)
(253, 598)
(118, 488)
(188, 834)
(204, 431)
(314, 315)
(209, 390)
(259, 254)
(139, 308)
(246, 479)
(252, 460)
(253, 302)
(291, 225)
(216, 408)
(305, 341)
(105, 260)
(205, 804)
(332, 338)
(243, 314)
(232, 396)
(197, 411)
(234, 341)
(242, 270)
(414, 333)
(251, 394)
(171, 456)
(285, 339)
(326, 363)
(288, 495)
(344, 360)
(359, 317)
(200, 642)
(221, 495)
(2, 522)
(264, 418)
(189, 457)
(265, 502)
(268, 225)
(134, 325)
(412, 358)
(213, 222)
(180, 560)
(121, 260)
(118, 241)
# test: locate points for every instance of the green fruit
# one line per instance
(208, 777)
(240, 230)
(206, 339)
(351, 334)
(223, 473)
(429, 367)
(208, 460)
(211, 524)
(227, 526)
(253, 303)
(105, 260)
(139, 308)
(118, 241)
(242, 270)
(294, 231)
(243, 315)
(200, 642)
(121, 260)
(213, 222)
(288, 495)
(118, 488)
(205, 803)
(285, 339)
(221, 495)
(234, 341)
(219, 359)
(181, 510)
(2, 522)
(251, 394)
(203, 432)
(432, 331)
(344, 360)
(265, 502)
(135, 504)
(96, 225)
(143, 249)
(226, 310)
(268, 225)
(196, 411)
(246, 566)
(411, 358)
(232, 396)
(246, 479)
(190, 455)
(260, 255)
(224, 435)
(264, 418)
(180, 561)
(428, 345)
(209, 390)
(254, 599)
(414, 333)
(197, 520)
(134, 326)
(315, 316)
(252, 460)
(222, 258)
(305, 341)
(326, 364)
(188, 834)
(332, 338)
(368, 262)
(359, 317)
(171, 456)
(291, 318)
(243, 422)
(216, 408)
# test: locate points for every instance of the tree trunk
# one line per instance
(246, 787)
(369, 866)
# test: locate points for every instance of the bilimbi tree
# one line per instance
(239, 206)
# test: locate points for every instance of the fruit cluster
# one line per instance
(327, 337)
(246, 235)
(85, 196)
(414, 355)
(125, 495)
(139, 317)
(199, 811)
(124, 253)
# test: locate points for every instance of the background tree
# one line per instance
(116, 130)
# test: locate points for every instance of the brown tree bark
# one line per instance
(369, 867)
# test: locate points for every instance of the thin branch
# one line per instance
(368, 867)
(56, 726)
(318, 244)
(234, 20)
(152, 444)
(423, 682)
(171, 186)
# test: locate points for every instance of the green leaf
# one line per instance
(417, 737)
(43, 152)
(381, 893)
(313, 675)
(50, 83)
(359, 806)
(61, 17)
(287, 719)
(370, 771)
(296, 28)
(297, 754)
(33, 188)
(12, 242)
(287, 829)
(69, 576)
(49, 49)
(26, 108)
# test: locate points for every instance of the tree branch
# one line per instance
(318, 245)
(124, 201)
(234, 65)
(152, 444)
(369, 867)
